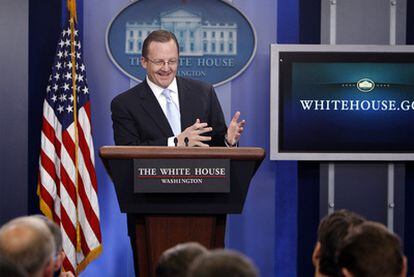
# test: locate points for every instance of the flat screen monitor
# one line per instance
(342, 102)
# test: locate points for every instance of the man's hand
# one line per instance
(235, 130)
(194, 135)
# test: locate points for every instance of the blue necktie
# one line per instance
(172, 113)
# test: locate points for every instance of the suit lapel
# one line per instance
(186, 104)
(152, 107)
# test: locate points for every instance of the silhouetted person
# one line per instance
(11, 269)
(370, 250)
(28, 242)
(59, 254)
(175, 261)
(223, 263)
(332, 230)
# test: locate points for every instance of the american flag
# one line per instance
(67, 185)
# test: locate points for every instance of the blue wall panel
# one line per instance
(250, 95)
(43, 38)
(297, 187)
(286, 195)
(13, 107)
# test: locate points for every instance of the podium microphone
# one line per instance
(175, 141)
(186, 141)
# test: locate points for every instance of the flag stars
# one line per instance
(62, 98)
(62, 80)
(69, 109)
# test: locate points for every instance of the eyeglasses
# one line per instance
(161, 62)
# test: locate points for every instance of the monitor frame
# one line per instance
(278, 154)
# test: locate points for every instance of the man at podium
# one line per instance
(169, 110)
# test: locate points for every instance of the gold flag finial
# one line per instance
(72, 9)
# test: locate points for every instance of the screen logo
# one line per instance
(217, 42)
(365, 85)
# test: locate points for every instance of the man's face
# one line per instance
(161, 63)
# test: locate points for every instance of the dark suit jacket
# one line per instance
(139, 120)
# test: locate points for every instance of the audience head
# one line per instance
(28, 242)
(174, 262)
(10, 269)
(370, 250)
(332, 230)
(57, 236)
(222, 263)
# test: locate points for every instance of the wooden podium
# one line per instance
(158, 221)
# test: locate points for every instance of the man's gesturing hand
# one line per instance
(194, 134)
(235, 130)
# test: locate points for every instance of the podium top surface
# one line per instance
(165, 152)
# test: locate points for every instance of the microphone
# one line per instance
(186, 141)
(175, 141)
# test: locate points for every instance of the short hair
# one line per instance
(223, 263)
(175, 261)
(331, 231)
(28, 242)
(55, 230)
(158, 36)
(10, 269)
(370, 250)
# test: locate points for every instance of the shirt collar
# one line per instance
(157, 90)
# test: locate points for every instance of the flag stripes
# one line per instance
(67, 186)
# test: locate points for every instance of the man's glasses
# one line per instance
(161, 62)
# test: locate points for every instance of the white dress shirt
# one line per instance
(157, 90)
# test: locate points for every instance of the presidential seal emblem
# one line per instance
(217, 42)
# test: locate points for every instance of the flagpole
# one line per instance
(71, 4)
